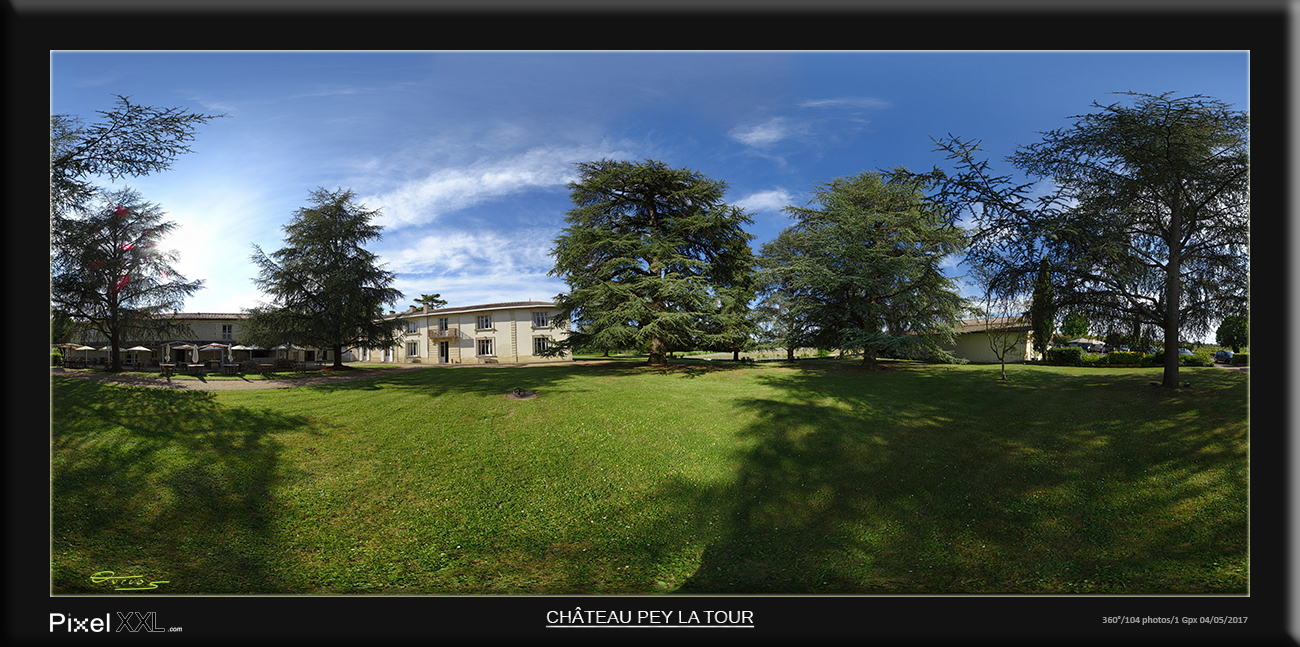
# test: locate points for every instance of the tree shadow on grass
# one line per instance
(167, 485)
(499, 380)
(919, 482)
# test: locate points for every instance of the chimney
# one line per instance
(392, 312)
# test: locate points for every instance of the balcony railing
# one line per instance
(443, 334)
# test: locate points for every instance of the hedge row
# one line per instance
(1070, 356)
(1241, 359)
(1076, 357)
(1124, 357)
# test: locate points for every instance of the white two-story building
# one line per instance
(514, 333)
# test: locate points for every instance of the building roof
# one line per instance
(982, 324)
(197, 316)
(487, 306)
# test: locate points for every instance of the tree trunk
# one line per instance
(1173, 296)
(735, 356)
(658, 356)
(114, 358)
(338, 358)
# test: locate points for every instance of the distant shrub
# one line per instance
(1094, 359)
(1124, 357)
(1065, 356)
(1196, 359)
(1241, 359)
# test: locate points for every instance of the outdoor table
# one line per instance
(229, 369)
(167, 369)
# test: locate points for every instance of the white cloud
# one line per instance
(846, 102)
(475, 267)
(483, 254)
(99, 80)
(451, 189)
(766, 133)
(766, 201)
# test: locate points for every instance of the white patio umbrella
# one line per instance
(216, 346)
(288, 347)
(188, 347)
(138, 349)
(85, 355)
(110, 352)
(247, 348)
(67, 346)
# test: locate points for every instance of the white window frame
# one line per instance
(483, 322)
(227, 331)
(541, 320)
(484, 347)
(412, 327)
(444, 323)
(412, 349)
(541, 344)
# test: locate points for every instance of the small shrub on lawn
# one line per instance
(1124, 357)
(1094, 359)
(1065, 356)
(1197, 359)
(1241, 359)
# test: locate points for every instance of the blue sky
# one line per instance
(467, 154)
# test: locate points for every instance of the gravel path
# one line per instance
(155, 380)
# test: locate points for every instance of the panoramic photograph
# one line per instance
(669, 324)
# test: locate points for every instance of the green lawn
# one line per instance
(706, 478)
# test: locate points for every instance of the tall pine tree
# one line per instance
(652, 256)
(1042, 310)
(871, 249)
(326, 287)
(111, 276)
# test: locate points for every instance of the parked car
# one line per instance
(1185, 351)
(1224, 356)
(1123, 349)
